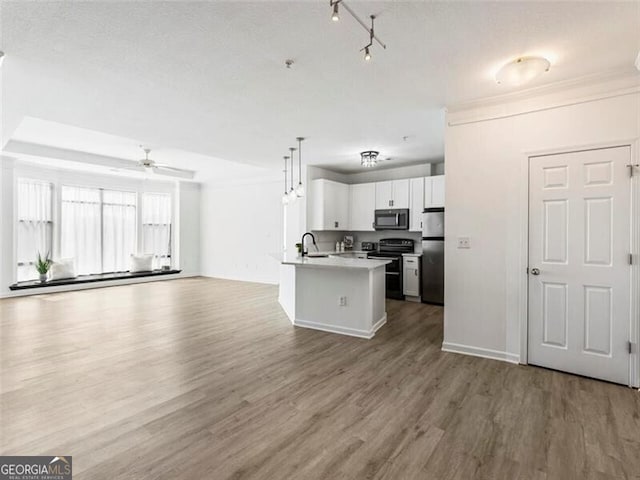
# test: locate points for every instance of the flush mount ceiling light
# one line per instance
(372, 36)
(369, 158)
(1, 57)
(522, 70)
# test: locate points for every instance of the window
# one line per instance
(118, 230)
(98, 229)
(35, 225)
(156, 227)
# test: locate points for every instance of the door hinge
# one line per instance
(632, 167)
(527, 270)
(630, 347)
(631, 259)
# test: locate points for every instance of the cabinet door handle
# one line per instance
(416, 272)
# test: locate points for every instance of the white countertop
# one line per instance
(334, 262)
(333, 252)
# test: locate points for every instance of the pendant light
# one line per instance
(335, 16)
(292, 192)
(285, 196)
(300, 187)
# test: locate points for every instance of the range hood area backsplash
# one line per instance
(326, 240)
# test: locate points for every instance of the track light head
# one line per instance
(335, 16)
(367, 54)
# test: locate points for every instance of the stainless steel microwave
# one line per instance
(394, 219)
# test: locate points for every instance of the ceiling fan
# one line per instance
(148, 164)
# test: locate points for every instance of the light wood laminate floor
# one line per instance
(207, 379)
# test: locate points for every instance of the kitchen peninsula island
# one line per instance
(334, 294)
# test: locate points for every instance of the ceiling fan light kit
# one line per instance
(150, 165)
(372, 36)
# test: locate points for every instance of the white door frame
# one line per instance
(523, 287)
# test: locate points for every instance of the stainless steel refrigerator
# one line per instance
(433, 256)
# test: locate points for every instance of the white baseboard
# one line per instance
(353, 332)
(480, 352)
(91, 285)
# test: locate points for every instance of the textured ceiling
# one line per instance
(209, 77)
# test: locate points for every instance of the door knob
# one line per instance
(535, 271)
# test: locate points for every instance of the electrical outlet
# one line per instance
(342, 301)
(464, 242)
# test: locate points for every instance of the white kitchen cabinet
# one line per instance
(330, 205)
(362, 198)
(392, 194)
(416, 188)
(434, 191)
(411, 276)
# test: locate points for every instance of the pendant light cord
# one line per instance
(300, 160)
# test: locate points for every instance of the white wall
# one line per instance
(242, 230)
(485, 192)
(188, 219)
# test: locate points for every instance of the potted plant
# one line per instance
(42, 266)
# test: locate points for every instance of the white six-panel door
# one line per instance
(579, 272)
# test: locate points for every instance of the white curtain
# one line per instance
(156, 227)
(81, 229)
(119, 230)
(35, 225)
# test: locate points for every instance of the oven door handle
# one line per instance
(392, 273)
(393, 259)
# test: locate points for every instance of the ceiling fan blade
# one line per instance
(134, 166)
(173, 172)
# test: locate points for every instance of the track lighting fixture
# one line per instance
(335, 16)
(372, 36)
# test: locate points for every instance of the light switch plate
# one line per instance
(464, 242)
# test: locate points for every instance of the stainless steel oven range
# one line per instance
(392, 249)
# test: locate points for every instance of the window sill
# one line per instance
(100, 277)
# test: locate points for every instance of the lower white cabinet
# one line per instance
(411, 276)
(330, 205)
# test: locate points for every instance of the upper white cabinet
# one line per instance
(434, 191)
(362, 206)
(416, 188)
(338, 206)
(392, 194)
(330, 205)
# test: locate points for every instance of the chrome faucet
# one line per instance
(313, 239)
